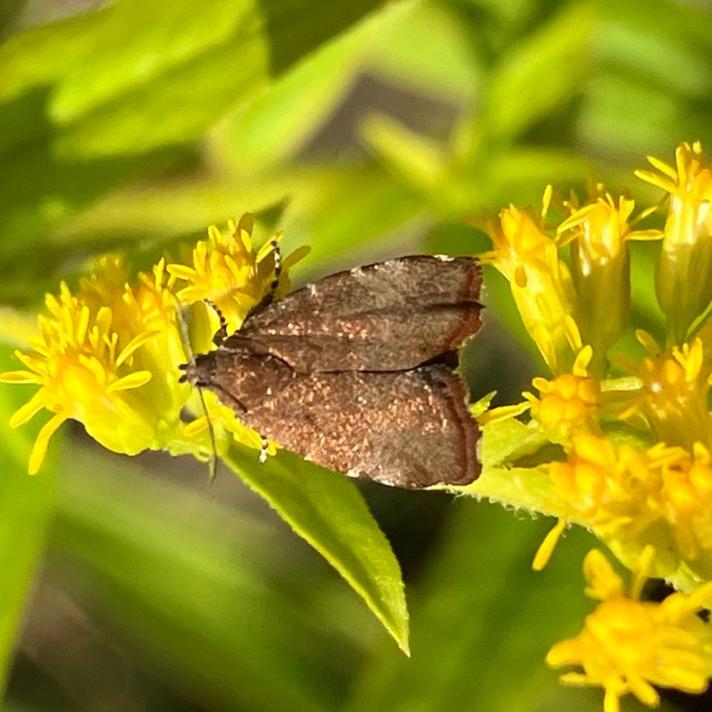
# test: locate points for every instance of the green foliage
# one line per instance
(26, 505)
(331, 515)
(367, 129)
(464, 660)
(179, 576)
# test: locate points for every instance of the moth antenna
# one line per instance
(213, 463)
(264, 447)
(185, 338)
(221, 333)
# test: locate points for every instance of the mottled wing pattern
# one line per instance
(390, 316)
(407, 429)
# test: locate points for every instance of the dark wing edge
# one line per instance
(469, 430)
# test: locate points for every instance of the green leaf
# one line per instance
(173, 101)
(531, 81)
(417, 159)
(78, 121)
(449, 70)
(338, 211)
(195, 585)
(42, 55)
(26, 504)
(483, 621)
(329, 513)
(130, 50)
(278, 121)
(610, 116)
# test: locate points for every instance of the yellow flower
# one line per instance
(674, 398)
(540, 283)
(683, 283)
(631, 498)
(88, 368)
(598, 233)
(628, 645)
(567, 403)
(686, 498)
(637, 470)
(228, 272)
(607, 487)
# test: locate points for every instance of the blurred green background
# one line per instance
(365, 130)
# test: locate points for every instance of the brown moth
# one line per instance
(355, 372)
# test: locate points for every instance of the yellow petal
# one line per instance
(546, 548)
(645, 235)
(299, 254)
(32, 362)
(574, 679)
(647, 342)
(195, 426)
(656, 180)
(645, 562)
(643, 690)
(39, 449)
(28, 411)
(19, 377)
(181, 271)
(133, 380)
(134, 344)
(82, 324)
(611, 701)
(603, 582)
(663, 167)
(582, 360)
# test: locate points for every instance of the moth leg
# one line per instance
(277, 252)
(221, 334)
(264, 450)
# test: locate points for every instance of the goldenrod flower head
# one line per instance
(598, 233)
(602, 227)
(689, 183)
(231, 274)
(686, 497)
(628, 645)
(540, 283)
(567, 403)
(631, 497)
(606, 487)
(674, 399)
(93, 365)
(683, 283)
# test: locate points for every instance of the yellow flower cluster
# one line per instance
(628, 645)
(109, 354)
(633, 463)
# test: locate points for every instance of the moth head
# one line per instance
(196, 374)
(238, 377)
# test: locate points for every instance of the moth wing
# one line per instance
(391, 316)
(408, 429)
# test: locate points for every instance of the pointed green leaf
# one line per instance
(328, 512)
